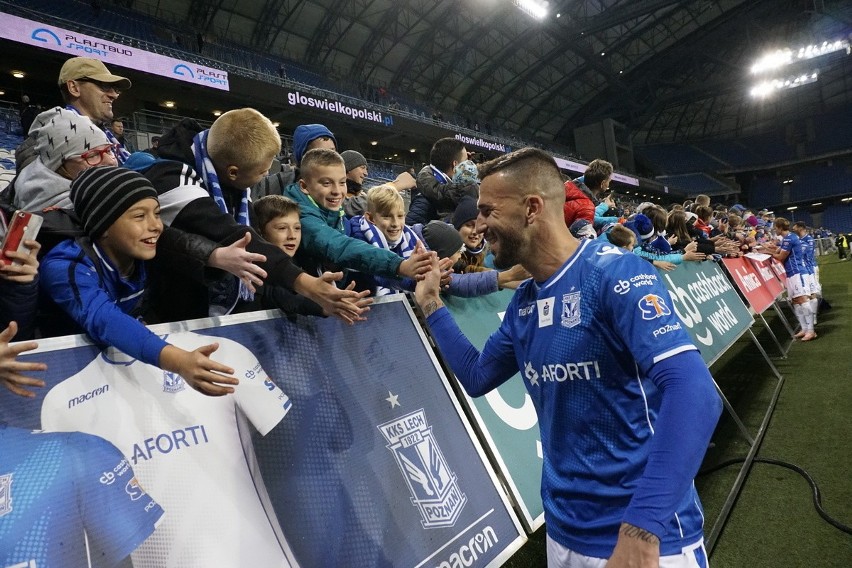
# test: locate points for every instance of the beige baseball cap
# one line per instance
(88, 68)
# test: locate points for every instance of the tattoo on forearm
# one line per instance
(430, 308)
(641, 534)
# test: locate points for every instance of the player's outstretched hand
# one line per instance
(235, 259)
(200, 371)
(416, 265)
(428, 290)
(10, 369)
(346, 304)
(446, 267)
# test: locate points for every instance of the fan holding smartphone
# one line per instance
(18, 302)
(20, 238)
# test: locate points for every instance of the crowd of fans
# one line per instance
(195, 226)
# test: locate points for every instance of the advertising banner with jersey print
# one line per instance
(342, 446)
(752, 286)
(506, 416)
(708, 305)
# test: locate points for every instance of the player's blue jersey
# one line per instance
(58, 490)
(795, 261)
(584, 341)
(809, 253)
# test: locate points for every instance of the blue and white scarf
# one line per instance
(404, 246)
(224, 294)
(118, 150)
(204, 167)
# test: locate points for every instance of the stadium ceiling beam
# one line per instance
(654, 69)
(591, 60)
(274, 15)
(409, 62)
(359, 13)
(394, 25)
(322, 38)
(202, 12)
(605, 20)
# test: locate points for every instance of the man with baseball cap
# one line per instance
(89, 88)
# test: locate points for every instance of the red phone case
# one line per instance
(24, 227)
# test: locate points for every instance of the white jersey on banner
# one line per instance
(187, 450)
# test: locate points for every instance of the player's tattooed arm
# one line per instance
(641, 534)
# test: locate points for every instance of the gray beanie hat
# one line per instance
(353, 159)
(442, 238)
(61, 134)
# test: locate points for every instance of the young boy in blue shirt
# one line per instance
(100, 280)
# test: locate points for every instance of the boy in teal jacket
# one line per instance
(325, 245)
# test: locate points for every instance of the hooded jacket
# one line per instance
(577, 205)
(325, 244)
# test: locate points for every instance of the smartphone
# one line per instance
(23, 227)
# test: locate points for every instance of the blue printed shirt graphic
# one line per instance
(795, 261)
(584, 341)
(58, 490)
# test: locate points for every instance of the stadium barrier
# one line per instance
(374, 463)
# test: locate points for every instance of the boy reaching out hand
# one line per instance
(99, 280)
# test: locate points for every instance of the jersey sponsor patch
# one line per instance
(570, 309)
(545, 311)
(653, 306)
(5, 494)
(433, 486)
(172, 382)
(134, 489)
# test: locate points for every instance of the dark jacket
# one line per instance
(435, 197)
(186, 205)
(19, 303)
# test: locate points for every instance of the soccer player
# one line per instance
(791, 253)
(811, 266)
(625, 404)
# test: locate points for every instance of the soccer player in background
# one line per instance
(625, 404)
(791, 253)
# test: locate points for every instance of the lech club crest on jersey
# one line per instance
(172, 382)
(5, 494)
(570, 309)
(433, 487)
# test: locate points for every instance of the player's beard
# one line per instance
(509, 245)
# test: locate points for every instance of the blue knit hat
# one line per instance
(304, 135)
(465, 211)
(642, 226)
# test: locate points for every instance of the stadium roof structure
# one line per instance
(668, 70)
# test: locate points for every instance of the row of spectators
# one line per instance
(198, 228)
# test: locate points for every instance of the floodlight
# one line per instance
(535, 8)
